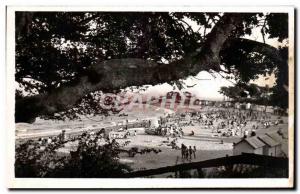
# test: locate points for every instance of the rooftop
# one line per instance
(268, 140)
(275, 136)
(253, 142)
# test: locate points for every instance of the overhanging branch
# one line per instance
(120, 73)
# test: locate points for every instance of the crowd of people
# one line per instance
(221, 122)
(232, 122)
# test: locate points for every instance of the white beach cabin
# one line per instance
(273, 146)
(248, 145)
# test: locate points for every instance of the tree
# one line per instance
(248, 93)
(68, 57)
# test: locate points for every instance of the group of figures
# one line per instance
(228, 122)
(170, 130)
(188, 152)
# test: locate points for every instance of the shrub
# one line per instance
(90, 160)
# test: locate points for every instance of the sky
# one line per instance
(206, 88)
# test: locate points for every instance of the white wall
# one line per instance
(278, 150)
(258, 151)
(271, 151)
(242, 147)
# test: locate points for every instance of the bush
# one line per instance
(88, 161)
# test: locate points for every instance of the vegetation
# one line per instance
(66, 60)
(90, 160)
(248, 93)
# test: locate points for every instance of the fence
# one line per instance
(244, 158)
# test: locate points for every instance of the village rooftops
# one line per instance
(268, 140)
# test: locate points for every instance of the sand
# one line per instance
(208, 144)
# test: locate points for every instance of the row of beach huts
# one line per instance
(269, 144)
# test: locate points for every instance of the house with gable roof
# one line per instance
(248, 145)
(268, 144)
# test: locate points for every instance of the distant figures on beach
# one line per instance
(187, 152)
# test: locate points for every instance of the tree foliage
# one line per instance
(248, 93)
(89, 160)
(55, 50)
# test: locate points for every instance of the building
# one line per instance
(248, 106)
(270, 109)
(248, 145)
(272, 148)
(228, 104)
(239, 105)
(118, 134)
(268, 144)
(209, 103)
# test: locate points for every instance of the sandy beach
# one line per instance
(209, 144)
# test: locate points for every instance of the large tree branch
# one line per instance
(120, 73)
(255, 46)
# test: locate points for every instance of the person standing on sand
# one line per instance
(190, 152)
(194, 152)
(62, 136)
(183, 148)
(186, 153)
